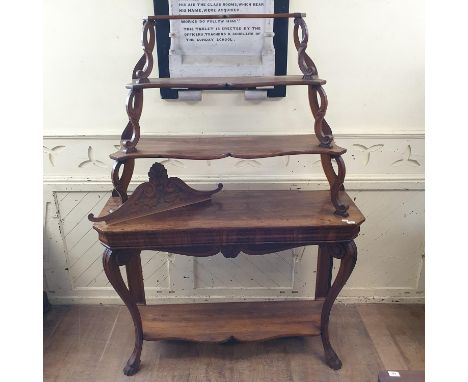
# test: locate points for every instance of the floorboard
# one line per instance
(92, 343)
(397, 332)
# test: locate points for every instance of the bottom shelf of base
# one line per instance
(221, 322)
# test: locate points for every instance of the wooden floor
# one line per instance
(92, 343)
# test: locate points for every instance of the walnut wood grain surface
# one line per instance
(228, 16)
(238, 217)
(90, 343)
(217, 147)
(220, 322)
(221, 83)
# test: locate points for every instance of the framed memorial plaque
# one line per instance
(221, 47)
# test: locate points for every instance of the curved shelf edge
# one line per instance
(248, 321)
(219, 147)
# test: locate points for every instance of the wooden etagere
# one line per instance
(165, 214)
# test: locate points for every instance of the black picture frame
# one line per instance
(280, 42)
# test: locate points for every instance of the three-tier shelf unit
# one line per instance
(165, 214)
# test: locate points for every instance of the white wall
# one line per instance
(370, 52)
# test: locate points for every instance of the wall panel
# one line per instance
(372, 55)
(391, 245)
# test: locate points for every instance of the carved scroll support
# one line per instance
(336, 181)
(121, 182)
(347, 253)
(159, 194)
(112, 260)
(307, 66)
(131, 133)
(139, 66)
(142, 70)
(148, 42)
(317, 97)
(318, 102)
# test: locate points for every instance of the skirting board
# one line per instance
(71, 300)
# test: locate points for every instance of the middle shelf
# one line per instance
(216, 147)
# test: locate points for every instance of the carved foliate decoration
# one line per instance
(159, 194)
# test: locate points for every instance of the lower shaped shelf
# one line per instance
(221, 322)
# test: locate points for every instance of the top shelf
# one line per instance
(229, 16)
(221, 83)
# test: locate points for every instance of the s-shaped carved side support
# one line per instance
(112, 260)
(121, 182)
(336, 181)
(141, 72)
(347, 253)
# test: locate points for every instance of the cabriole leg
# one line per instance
(324, 272)
(347, 253)
(135, 278)
(112, 260)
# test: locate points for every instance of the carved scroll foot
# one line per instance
(332, 360)
(112, 260)
(132, 366)
(347, 252)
